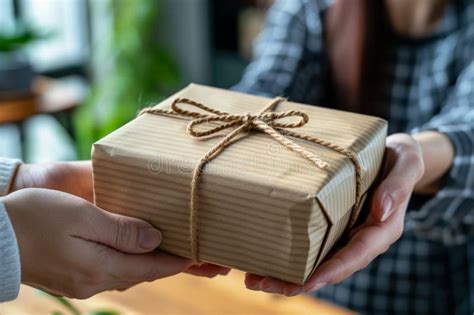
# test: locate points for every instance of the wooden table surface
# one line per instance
(179, 295)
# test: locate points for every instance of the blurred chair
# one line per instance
(38, 127)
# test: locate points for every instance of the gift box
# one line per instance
(262, 185)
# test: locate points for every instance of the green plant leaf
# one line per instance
(22, 35)
(139, 72)
(64, 302)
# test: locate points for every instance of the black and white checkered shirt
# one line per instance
(430, 270)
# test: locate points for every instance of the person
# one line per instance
(53, 238)
(410, 62)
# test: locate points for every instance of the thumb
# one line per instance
(128, 235)
(397, 187)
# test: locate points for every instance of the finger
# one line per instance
(208, 270)
(123, 233)
(103, 269)
(252, 281)
(84, 169)
(271, 285)
(84, 165)
(144, 267)
(397, 186)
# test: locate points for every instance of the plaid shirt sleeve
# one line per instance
(289, 60)
(281, 66)
(449, 216)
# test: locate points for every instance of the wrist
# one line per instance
(437, 152)
(20, 177)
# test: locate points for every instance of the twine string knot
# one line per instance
(266, 121)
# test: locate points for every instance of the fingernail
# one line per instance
(267, 287)
(149, 238)
(271, 290)
(386, 207)
(319, 286)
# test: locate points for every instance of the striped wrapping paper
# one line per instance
(262, 208)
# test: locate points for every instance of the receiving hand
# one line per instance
(402, 169)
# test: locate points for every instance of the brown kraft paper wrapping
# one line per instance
(263, 208)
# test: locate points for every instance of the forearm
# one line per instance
(438, 154)
(70, 177)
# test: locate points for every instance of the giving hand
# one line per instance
(76, 178)
(71, 177)
(71, 248)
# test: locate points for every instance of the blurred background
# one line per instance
(72, 71)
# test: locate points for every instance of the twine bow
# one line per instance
(265, 121)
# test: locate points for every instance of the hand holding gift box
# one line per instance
(260, 197)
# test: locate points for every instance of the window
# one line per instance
(65, 21)
(6, 15)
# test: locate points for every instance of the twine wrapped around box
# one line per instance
(270, 192)
(264, 121)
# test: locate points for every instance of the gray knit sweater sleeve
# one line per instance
(10, 276)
